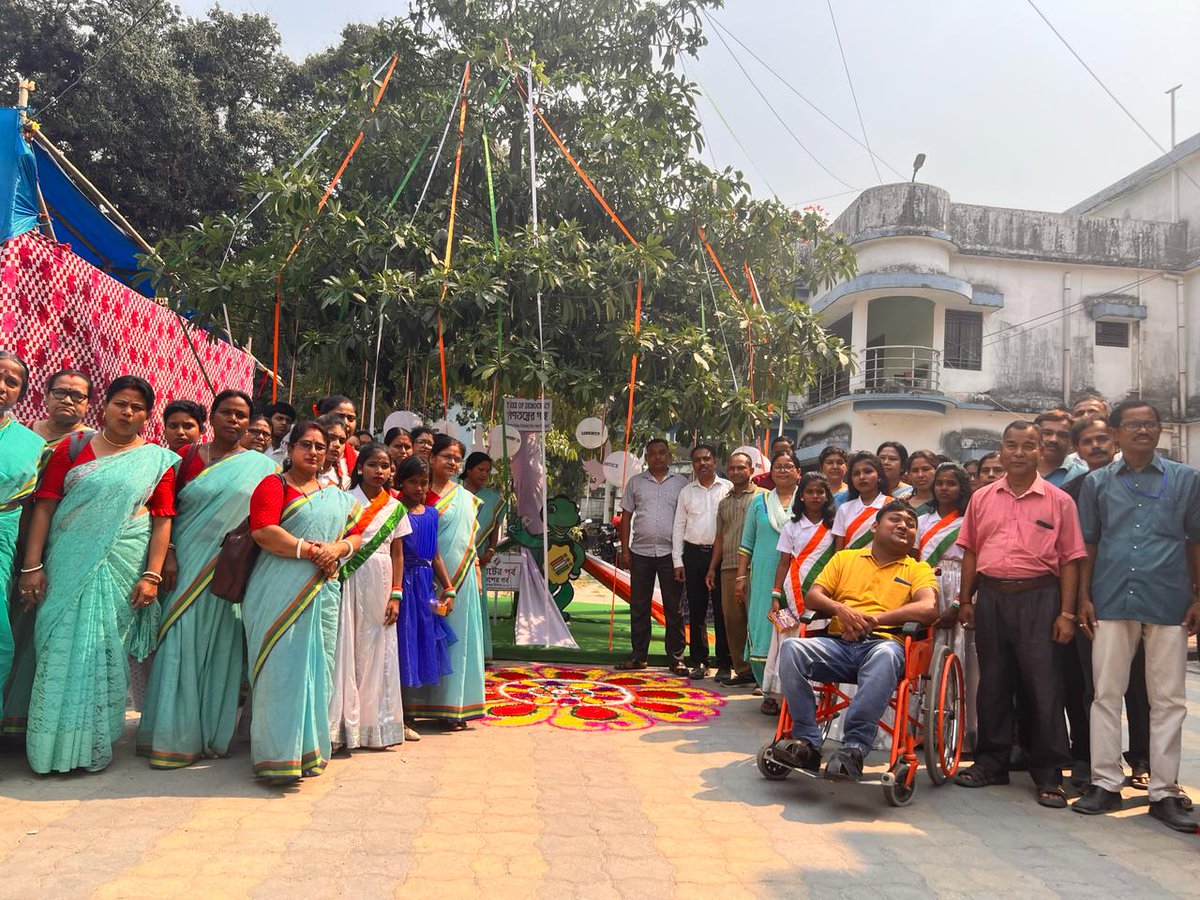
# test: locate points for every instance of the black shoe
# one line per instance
(678, 668)
(798, 753)
(630, 665)
(1081, 774)
(699, 672)
(845, 765)
(1097, 801)
(722, 675)
(738, 680)
(1170, 811)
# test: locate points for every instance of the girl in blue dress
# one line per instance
(424, 636)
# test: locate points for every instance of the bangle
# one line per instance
(152, 577)
(740, 578)
(449, 592)
(776, 595)
(1071, 617)
(299, 544)
(396, 594)
(170, 546)
(349, 546)
(33, 569)
(955, 603)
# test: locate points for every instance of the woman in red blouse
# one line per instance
(97, 539)
(291, 608)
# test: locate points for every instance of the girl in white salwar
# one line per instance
(365, 709)
(805, 546)
(937, 533)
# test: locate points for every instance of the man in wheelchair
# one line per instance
(863, 591)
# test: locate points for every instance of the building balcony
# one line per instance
(892, 376)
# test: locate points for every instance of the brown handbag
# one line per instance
(235, 561)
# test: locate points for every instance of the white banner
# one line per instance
(504, 571)
(527, 415)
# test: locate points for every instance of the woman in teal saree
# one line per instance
(304, 531)
(476, 472)
(102, 516)
(20, 456)
(458, 697)
(191, 701)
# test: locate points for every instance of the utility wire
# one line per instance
(1055, 315)
(775, 112)
(853, 95)
(733, 134)
(810, 104)
(138, 19)
(1112, 96)
(699, 118)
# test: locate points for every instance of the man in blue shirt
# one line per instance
(1141, 524)
(1055, 428)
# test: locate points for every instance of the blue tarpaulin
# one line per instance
(77, 221)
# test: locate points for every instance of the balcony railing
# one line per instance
(889, 369)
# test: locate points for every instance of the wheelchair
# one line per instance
(926, 716)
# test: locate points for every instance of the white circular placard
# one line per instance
(620, 463)
(591, 433)
(401, 419)
(496, 442)
(760, 464)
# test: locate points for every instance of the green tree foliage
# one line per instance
(605, 77)
(171, 113)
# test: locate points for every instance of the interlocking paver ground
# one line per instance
(543, 813)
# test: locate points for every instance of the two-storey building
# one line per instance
(964, 317)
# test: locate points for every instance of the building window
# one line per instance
(964, 340)
(1112, 334)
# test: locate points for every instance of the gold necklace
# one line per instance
(104, 437)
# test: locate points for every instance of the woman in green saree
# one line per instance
(191, 701)
(476, 472)
(458, 697)
(759, 552)
(304, 531)
(102, 519)
(20, 455)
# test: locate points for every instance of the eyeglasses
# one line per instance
(65, 394)
(1145, 425)
(259, 432)
(450, 459)
(311, 445)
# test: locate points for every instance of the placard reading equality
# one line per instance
(527, 415)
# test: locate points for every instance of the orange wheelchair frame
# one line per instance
(927, 715)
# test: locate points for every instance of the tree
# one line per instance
(166, 114)
(616, 100)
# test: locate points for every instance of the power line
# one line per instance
(103, 55)
(1056, 315)
(795, 91)
(703, 131)
(775, 112)
(1112, 96)
(853, 95)
(733, 134)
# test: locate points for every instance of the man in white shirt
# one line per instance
(691, 552)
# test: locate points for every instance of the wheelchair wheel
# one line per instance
(897, 789)
(942, 716)
(768, 768)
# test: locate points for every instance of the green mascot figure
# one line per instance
(565, 554)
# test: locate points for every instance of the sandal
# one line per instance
(1052, 797)
(630, 665)
(977, 776)
(1140, 779)
(769, 707)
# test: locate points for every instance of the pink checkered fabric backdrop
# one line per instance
(58, 312)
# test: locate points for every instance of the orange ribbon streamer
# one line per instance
(462, 125)
(320, 206)
(749, 336)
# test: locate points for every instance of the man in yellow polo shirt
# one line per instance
(861, 590)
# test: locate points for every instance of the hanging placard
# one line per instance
(527, 415)
(591, 433)
(620, 463)
(496, 441)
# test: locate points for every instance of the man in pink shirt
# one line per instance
(1020, 576)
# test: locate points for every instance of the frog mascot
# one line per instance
(565, 554)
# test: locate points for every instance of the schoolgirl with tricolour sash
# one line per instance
(937, 533)
(805, 546)
(867, 492)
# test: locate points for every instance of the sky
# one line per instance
(1005, 115)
